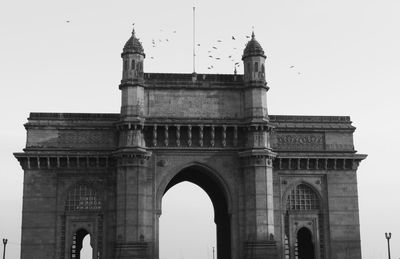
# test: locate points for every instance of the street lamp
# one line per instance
(388, 236)
(4, 251)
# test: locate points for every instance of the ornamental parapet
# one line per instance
(183, 136)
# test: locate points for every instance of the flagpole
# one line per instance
(194, 40)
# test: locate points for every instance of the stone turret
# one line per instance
(254, 61)
(132, 83)
(254, 80)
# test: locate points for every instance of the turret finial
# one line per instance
(252, 33)
(133, 29)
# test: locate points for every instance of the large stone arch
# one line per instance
(216, 188)
(162, 187)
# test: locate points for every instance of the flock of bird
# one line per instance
(212, 51)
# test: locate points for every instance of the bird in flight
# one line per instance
(68, 21)
(214, 47)
(291, 66)
(233, 38)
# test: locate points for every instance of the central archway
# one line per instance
(216, 190)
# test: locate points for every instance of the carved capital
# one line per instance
(133, 158)
(253, 158)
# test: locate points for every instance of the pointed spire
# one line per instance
(252, 35)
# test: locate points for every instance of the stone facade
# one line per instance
(282, 186)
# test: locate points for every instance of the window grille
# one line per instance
(302, 198)
(82, 198)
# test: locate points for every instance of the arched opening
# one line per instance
(303, 208)
(81, 247)
(87, 250)
(187, 229)
(305, 244)
(207, 181)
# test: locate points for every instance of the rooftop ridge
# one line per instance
(189, 77)
(116, 116)
(309, 118)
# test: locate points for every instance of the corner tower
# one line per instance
(254, 80)
(132, 83)
(134, 233)
(256, 159)
(254, 62)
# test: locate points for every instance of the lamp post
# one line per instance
(4, 251)
(388, 236)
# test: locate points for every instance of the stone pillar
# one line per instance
(134, 223)
(258, 195)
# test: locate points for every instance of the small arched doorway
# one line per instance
(212, 185)
(78, 243)
(305, 246)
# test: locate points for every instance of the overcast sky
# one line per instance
(346, 60)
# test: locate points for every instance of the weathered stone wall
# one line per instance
(38, 219)
(191, 103)
(204, 129)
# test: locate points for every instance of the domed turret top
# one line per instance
(133, 45)
(253, 48)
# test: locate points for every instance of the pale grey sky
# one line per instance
(347, 53)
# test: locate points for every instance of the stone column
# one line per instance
(134, 225)
(258, 196)
(134, 222)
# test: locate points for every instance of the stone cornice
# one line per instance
(318, 162)
(65, 160)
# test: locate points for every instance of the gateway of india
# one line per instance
(281, 186)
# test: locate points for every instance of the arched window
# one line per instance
(302, 197)
(82, 198)
(304, 205)
(133, 64)
(256, 67)
(125, 65)
(262, 68)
